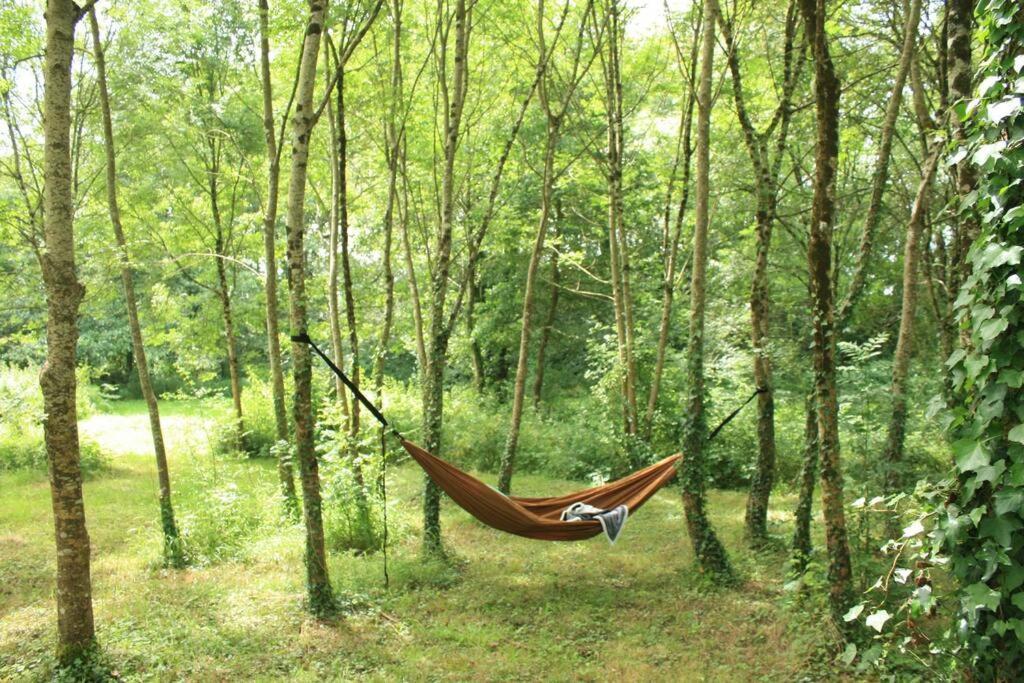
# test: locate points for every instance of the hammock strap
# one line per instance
(303, 338)
(730, 416)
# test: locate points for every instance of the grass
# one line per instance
(505, 608)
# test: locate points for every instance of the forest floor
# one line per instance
(506, 608)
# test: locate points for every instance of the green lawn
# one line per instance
(509, 608)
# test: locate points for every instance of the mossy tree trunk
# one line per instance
(284, 464)
(173, 552)
(904, 342)
(766, 154)
(819, 260)
(75, 628)
(707, 548)
(439, 332)
(318, 585)
(554, 114)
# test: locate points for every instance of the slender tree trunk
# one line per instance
(905, 339)
(805, 500)
(284, 465)
(960, 24)
(707, 548)
(224, 293)
(76, 634)
(318, 585)
(333, 262)
(881, 173)
(393, 138)
(819, 258)
(417, 305)
(433, 391)
(617, 246)
(549, 322)
(476, 355)
(522, 365)
(346, 261)
(766, 186)
(173, 552)
(671, 248)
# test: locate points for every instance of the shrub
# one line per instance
(21, 429)
(218, 522)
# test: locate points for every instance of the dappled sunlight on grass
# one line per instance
(503, 607)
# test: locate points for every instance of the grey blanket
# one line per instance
(611, 521)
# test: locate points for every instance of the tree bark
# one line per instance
(173, 551)
(880, 176)
(318, 585)
(522, 364)
(709, 551)
(549, 322)
(284, 465)
(960, 24)
(819, 259)
(337, 145)
(805, 502)
(766, 167)
(224, 290)
(394, 134)
(76, 632)
(617, 247)
(671, 243)
(437, 342)
(904, 342)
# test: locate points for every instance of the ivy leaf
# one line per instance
(853, 613)
(877, 620)
(990, 329)
(1000, 529)
(849, 654)
(1017, 433)
(1018, 600)
(980, 596)
(970, 455)
(924, 597)
(997, 111)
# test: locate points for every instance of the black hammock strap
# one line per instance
(303, 338)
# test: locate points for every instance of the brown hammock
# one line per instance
(540, 518)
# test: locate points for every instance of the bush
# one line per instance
(353, 504)
(218, 523)
(21, 431)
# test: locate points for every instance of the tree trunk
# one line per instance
(805, 501)
(960, 23)
(522, 365)
(173, 552)
(616, 232)
(393, 141)
(318, 585)
(819, 259)
(346, 262)
(905, 339)
(476, 355)
(437, 349)
(333, 262)
(881, 173)
(76, 634)
(224, 292)
(707, 548)
(671, 245)
(284, 465)
(549, 322)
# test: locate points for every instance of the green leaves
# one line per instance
(970, 455)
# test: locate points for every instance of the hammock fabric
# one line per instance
(539, 518)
